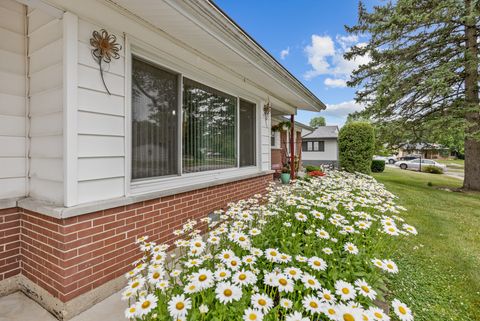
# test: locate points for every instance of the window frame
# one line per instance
(312, 144)
(159, 183)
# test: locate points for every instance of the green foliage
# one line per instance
(316, 122)
(378, 166)
(356, 143)
(311, 168)
(432, 169)
(445, 253)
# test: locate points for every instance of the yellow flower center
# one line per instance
(311, 282)
(327, 296)
(282, 281)
(365, 288)
(198, 244)
(249, 260)
(378, 315)
(348, 317)
(156, 275)
(273, 253)
(241, 238)
(179, 306)
(402, 310)
(132, 309)
(331, 311)
(202, 277)
(252, 316)
(242, 277)
(262, 302)
(313, 304)
(227, 292)
(135, 284)
(223, 274)
(317, 263)
(345, 291)
(292, 272)
(145, 304)
(226, 256)
(390, 266)
(192, 287)
(233, 263)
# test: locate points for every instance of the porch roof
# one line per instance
(206, 29)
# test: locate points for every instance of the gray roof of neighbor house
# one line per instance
(323, 132)
(423, 146)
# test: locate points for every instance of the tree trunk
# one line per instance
(472, 142)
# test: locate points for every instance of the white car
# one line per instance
(415, 164)
(387, 159)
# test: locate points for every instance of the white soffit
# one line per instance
(182, 20)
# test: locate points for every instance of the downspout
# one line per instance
(292, 147)
(27, 104)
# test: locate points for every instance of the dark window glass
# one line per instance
(272, 139)
(154, 121)
(247, 133)
(209, 128)
(313, 146)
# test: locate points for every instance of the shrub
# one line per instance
(432, 169)
(311, 168)
(356, 147)
(378, 166)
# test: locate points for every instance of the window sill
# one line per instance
(188, 185)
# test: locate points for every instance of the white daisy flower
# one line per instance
(146, 304)
(244, 277)
(286, 303)
(227, 292)
(322, 234)
(316, 263)
(378, 314)
(310, 282)
(222, 274)
(350, 248)
(364, 289)
(327, 251)
(203, 309)
(402, 311)
(345, 290)
(312, 304)
(262, 302)
(131, 312)
(179, 306)
(301, 217)
(272, 255)
(252, 315)
(349, 313)
(203, 279)
(293, 272)
(284, 283)
(326, 296)
(390, 266)
(296, 316)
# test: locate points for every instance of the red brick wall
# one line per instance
(72, 256)
(9, 242)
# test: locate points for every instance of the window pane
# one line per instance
(272, 139)
(321, 146)
(154, 121)
(315, 146)
(310, 146)
(209, 128)
(247, 133)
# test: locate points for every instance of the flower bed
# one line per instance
(308, 251)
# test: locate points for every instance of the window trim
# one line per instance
(312, 143)
(155, 184)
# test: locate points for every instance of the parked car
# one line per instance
(415, 164)
(387, 159)
(409, 157)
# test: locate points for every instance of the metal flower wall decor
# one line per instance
(105, 48)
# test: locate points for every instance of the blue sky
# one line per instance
(308, 38)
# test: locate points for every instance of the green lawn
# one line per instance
(459, 163)
(440, 267)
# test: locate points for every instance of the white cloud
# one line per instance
(284, 53)
(318, 52)
(332, 82)
(342, 109)
(326, 58)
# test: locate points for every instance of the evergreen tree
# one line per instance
(424, 68)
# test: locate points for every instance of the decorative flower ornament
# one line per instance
(105, 48)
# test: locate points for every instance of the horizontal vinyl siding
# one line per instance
(12, 100)
(46, 104)
(101, 123)
(265, 140)
(330, 153)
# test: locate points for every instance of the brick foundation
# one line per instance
(69, 257)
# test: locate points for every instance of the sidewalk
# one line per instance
(18, 307)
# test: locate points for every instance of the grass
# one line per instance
(455, 163)
(439, 268)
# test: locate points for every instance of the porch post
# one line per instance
(292, 147)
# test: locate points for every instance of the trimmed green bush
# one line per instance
(432, 169)
(356, 143)
(311, 168)
(378, 166)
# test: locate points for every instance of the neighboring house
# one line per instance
(426, 150)
(321, 146)
(83, 173)
(280, 143)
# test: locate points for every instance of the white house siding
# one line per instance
(45, 50)
(330, 154)
(265, 130)
(101, 122)
(12, 100)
